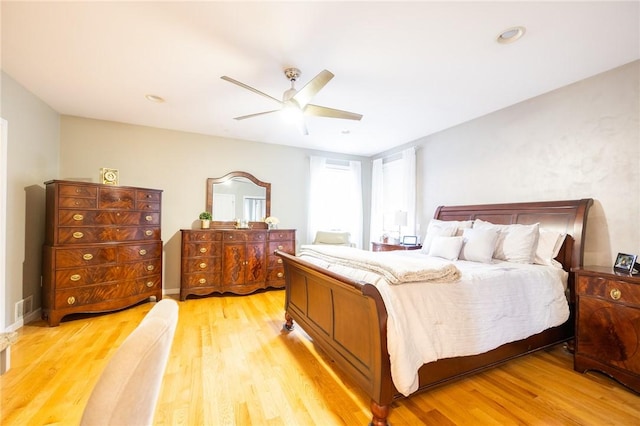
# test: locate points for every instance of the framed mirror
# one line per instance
(238, 196)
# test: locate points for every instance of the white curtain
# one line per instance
(377, 201)
(335, 197)
(405, 184)
(409, 186)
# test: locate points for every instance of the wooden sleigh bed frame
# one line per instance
(347, 319)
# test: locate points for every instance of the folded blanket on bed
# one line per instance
(395, 269)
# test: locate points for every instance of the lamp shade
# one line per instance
(400, 218)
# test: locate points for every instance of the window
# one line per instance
(393, 192)
(335, 197)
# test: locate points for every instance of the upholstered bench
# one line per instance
(6, 340)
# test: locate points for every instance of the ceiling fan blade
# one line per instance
(304, 95)
(236, 82)
(256, 114)
(320, 111)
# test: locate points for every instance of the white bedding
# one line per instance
(492, 304)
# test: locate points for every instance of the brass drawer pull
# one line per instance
(78, 217)
(615, 294)
(149, 283)
(71, 300)
(202, 281)
(202, 265)
(150, 267)
(75, 277)
(280, 247)
(142, 252)
(203, 250)
(280, 274)
(78, 235)
(148, 218)
(87, 256)
(279, 260)
(148, 232)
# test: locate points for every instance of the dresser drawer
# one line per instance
(81, 190)
(201, 236)
(137, 252)
(276, 235)
(78, 277)
(234, 236)
(107, 234)
(203, 249)
(148, 206)
(148, 196)
(275, 261)
(286, 246)
(609, 289)
(200, 279)
(104, 293)
(275, 275)
(80, 203)
(141, 269)
(209, 264)
(95, 217)
(116, 198)
(85, 256)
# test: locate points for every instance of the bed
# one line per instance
(347, 318)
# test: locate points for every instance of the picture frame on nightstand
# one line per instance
(625, 263)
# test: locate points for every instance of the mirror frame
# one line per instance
(231, 175)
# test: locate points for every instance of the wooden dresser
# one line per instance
(608, 324)
(103, 249)
(237, 261)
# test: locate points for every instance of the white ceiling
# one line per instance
(411, 68)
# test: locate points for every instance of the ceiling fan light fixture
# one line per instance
(511, 34)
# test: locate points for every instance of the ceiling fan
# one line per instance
(297, 101)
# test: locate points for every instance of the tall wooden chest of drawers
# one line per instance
(103, 248)
(608, 324)
(238, 261)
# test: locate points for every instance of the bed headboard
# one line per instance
(569, 217)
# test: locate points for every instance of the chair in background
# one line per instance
(128, 389)
(335, 238)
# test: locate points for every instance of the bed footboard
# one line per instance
(327, 306)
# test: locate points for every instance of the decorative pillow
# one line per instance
(479, 244)
(443, 228)
(549, 244)
(446, 247)
(516, 242)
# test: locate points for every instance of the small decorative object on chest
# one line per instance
(272, 222)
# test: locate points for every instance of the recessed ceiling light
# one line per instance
(154, 98)
(510, 35)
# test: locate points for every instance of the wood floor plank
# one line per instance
(231, 364)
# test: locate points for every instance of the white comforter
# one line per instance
(492, 304)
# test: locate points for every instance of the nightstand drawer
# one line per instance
(609, 289)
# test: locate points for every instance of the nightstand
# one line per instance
(392, 247)
(608, 324)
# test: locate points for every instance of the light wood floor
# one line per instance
(231, 364)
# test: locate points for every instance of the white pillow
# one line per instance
(549, 244)
(446, 247)
(479, 244)
(443, 228)
(516, 242)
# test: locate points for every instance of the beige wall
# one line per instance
(179, 163)
(581, 141)
(32, 158)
